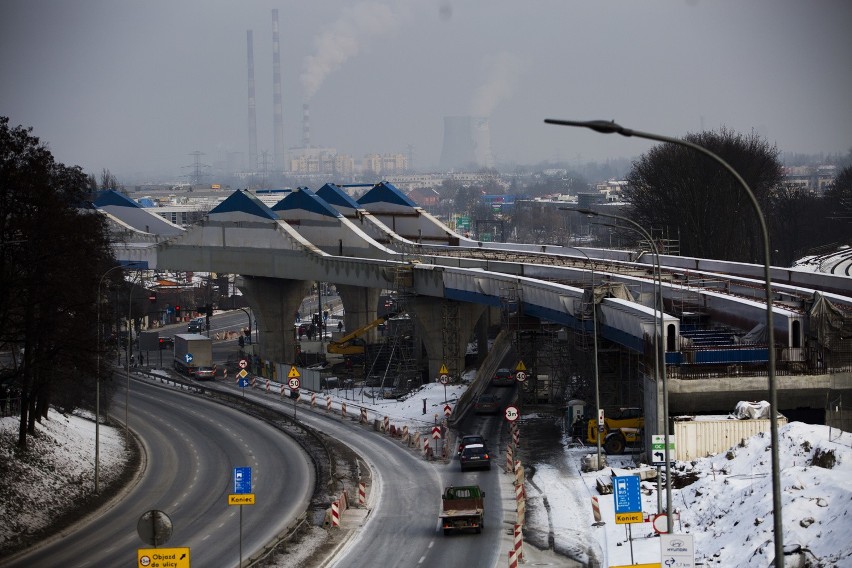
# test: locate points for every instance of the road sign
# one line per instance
(243, 363)
(677, 550)
(520, 376)
(188, 357)
(448, 410)
(294, 372)
(242, 480)
(628, 499)
(520, 366)
(294, 383)
(242, 374)
(658, 449)
(445, 379)
(243, 382)
(162, 557)
(436, 432)
(511, 413)
(241, 499)
(444, 370)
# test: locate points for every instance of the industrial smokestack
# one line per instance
(306, 126)
(277, 109)
(252, 108)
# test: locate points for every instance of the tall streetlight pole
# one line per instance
(659, 345)
(98, 386)
(129, 352)
(610, 127)
(595, 331)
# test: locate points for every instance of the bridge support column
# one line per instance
(274, 301)
(427, 314)
(359, 307)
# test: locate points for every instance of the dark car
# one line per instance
(487, 404)
(503, 378)
(470, 439)
(475, 456)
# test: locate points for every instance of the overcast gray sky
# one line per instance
(136, 86)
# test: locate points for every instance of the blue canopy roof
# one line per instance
(385, 192)
(335, 195)
(303, 199)
(242, 201)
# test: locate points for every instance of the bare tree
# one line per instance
(675, 188)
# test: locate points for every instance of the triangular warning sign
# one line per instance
(521, 366)
(294, 373)
(444, 370)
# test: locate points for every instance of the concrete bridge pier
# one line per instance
(432, 326)
(359, 308)
(274, 301)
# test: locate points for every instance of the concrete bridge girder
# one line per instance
(427, 315)
(274, 301)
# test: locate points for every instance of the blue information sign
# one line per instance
(628, 498)
(242, 480)
(243, 383)
(188, 357)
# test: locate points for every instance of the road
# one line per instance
(191, 446)
(402, 528)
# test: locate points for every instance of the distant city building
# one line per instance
(384, 164)
(320, 161)
(467, 143)
(809, 178)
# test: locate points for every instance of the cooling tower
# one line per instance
(277, 106)
(467, 143)
(252, 109)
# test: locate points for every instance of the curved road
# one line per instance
(191, 446)
(402, 528)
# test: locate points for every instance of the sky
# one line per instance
(727, 508)
(137, 87)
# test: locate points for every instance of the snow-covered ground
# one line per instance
(727, 504)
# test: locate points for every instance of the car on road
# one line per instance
(503, 378)
(475, 456)
(487, 404)
(470, 439)
(195, 325)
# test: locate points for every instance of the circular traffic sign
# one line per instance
(154, 527)
(243, 363)
(445, 379)
(660, 523)
(294, 383)
(521, 376)
(512, 413)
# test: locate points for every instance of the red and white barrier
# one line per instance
(510, 459)
(363, 419)
(513, 560)
(385, 424)
(519, 542)
(267, 385)
(405, 435)
(313, 400)
(335, 514)
(596, 509)
(362, 494)
(328, 404)
(343, 410)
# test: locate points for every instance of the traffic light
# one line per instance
(177, 311)
(152, 297)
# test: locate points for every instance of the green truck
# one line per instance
(462, 507)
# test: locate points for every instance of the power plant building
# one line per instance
(467, 143)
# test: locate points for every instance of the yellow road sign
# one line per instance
(520, 366)
(294, 372)
(162, 557)
(624, 518)
(242, 374)
(650, 565)
(444, 370)
(241, 499)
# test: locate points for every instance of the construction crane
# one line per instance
(349, 344)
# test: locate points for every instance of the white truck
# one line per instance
(194, 355)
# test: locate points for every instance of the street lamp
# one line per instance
(128, 354)
(98, 383)
(595, 330)
(658, 343)
(610, 127)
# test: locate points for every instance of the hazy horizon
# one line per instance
(137, 87)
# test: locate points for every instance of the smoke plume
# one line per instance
(504, 70)
(344, 38)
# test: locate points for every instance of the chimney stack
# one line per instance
(278, 113)
(252, 109)
(306, 126)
